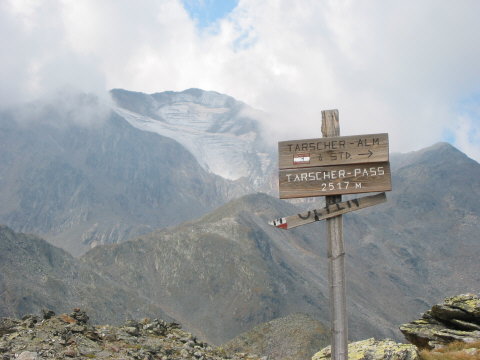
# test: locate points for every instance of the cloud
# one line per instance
(36, 59)
(396, 67)
(466, 127)
(62, 108)
(467, 136)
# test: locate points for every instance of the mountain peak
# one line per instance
(140, 102)
(199, 96)
(436, 154)
(259, 204)
(441, 147)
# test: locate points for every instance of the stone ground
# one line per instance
(70, 336)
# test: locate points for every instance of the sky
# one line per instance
(409, 68)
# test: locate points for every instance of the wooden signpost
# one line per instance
(332, 166)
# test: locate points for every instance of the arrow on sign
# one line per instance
(329, 211)
(370, 153)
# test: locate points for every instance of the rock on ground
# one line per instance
(70, 336)
(372, 349)
(457, 319)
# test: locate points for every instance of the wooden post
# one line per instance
(336, 258)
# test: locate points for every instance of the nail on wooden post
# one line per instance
(336, 259)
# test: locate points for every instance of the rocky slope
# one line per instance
(401, 256)
(230, 263)
(80, 175)
(36, 275)
(71, 336)
(423, 243)
(294, 337)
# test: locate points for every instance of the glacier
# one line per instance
(213, 127)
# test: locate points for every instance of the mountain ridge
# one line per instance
(80, 185)
(229, 270)
(36, 275)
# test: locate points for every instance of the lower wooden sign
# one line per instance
(335, 180)
(328, 211)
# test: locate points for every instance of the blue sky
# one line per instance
(408, 68)
(206, 12)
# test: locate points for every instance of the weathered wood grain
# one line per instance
(336, 258)
(328, 211)
(333, 151)
(334, 180)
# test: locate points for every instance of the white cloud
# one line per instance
(398, 67)
(467, 129)
(468, 137)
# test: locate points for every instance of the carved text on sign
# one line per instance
(333, 151)
(334, 180)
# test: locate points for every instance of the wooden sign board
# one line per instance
(328, 211)
(335, 180)
(333, 151)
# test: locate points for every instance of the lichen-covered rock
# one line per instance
(372, 349)
(470, 303)
(457, 319)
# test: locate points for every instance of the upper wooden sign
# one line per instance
(329, 151)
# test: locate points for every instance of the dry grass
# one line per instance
(453, 351)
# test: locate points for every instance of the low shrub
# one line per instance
(454, 351)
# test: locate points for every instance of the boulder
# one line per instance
(457, 319)
(28, 355)
(372, 349)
